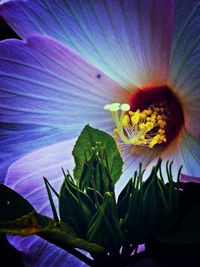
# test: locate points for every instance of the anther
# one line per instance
(140, 128)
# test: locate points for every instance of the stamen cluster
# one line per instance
(143, 128)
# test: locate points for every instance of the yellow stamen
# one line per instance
(116, 134)
(142, 128)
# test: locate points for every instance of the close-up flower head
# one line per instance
(127, 67)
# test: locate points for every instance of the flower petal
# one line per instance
(190, 151)
(44, 83)
(187, 154)
(184, 151)
(47, 95)
(132, 157)
(185, 62)
(123, 38)
(40, 253)
(26, 177)
(26, 174)
(189, 179)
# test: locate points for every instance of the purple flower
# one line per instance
(78, 56)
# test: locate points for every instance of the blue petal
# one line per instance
(189, 179)
(183, 151)
(185, 62)
(47, 95)
(190, 152)
(123, 38)
(42, 253)
(133, 156)
(26, 177)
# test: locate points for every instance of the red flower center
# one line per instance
(145, 98)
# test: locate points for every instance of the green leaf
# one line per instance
(105, 227)
(188, 232)
(49, 188)
(124, 200)
(171, 211)
(60, 234)
(161, 201)
(95, 179)
(133, 224)
(26, 225)
(153, 205)
(12, 205)
(63, 235)
(75, 207)
(150, 207)
(91, 140)
(133, 221)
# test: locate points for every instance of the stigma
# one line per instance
(141, 127)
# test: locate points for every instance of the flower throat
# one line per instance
(153, 117)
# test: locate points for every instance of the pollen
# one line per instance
(141, 127)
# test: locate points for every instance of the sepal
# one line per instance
(75, 207)
(104, 228)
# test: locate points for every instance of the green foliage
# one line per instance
(104, 228)
(49, 188)
(91, 140)
(24, 226)
(123, 199)
(62, 235)
(76, 208)
(89, 216)
(12, 205)
(150, 207)
(27, 222)
(95, 178)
